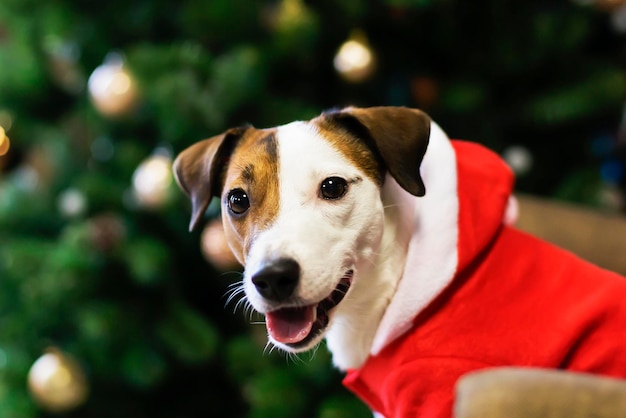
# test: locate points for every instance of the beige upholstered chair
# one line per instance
(593, 235)
(536, 393)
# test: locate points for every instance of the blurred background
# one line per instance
(109, 307)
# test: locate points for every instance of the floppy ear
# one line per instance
(397, 135)
(198, 170)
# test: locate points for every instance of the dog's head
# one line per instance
(301, 206)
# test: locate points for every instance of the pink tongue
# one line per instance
(290, 325)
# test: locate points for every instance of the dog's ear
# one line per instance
(199, 169)
(397, 135)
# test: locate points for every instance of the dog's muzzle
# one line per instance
(295, 326)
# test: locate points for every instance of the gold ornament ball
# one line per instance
(215, 247)
(112, 89)
(152, 180)
(57, 382)
(5, 144)
(355, 61)
(287, 14)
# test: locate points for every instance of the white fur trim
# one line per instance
(432, 256)
(511, 214)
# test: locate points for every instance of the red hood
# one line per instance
(468, 196)
(485, 184)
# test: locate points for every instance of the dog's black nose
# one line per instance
(277, 279)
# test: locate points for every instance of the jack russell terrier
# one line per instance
(371, 228)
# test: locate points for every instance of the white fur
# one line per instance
(326, 238)
(370, 231)
(356, 319)
(432, 255)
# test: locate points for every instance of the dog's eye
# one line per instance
(238, 201)
(333, 188)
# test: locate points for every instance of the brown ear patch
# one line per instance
(397, 136)
(352, 148)
(198, 170)
(253, 168)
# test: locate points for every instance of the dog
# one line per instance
(370, 228)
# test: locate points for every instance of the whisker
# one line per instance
(294, 357)
(242, 302)
(313, 352)
(234, 293)
(271, 347)
(246, 309)
(233, 290)
(234, 285)
(237, 277)
(251, 313)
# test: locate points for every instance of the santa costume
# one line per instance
(477, 293)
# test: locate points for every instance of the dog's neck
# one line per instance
(352, 333)
(422, 232)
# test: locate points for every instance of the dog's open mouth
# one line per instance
(297, 326)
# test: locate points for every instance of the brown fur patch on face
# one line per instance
(253, 168)
(352, 148)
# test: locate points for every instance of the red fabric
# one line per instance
(515, 300)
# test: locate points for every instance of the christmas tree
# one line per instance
(109, 307)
